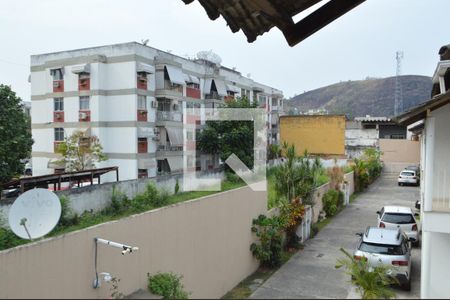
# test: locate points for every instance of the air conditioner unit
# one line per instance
(56, 84)
(83, 116)
(154, 104)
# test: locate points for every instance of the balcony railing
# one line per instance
(169, 148)
(173, 87)
(169, 116)
(213, 95)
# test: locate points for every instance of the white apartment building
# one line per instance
(434, 136)
(135, 99)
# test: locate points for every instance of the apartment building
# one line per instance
(144, 104)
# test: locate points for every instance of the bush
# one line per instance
(177, 187)
(150, 198)
(232, 177)
(270, 234)
(332, 200)
(119, 203)
(167, 285)
(68, 216)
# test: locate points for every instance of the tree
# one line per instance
(227, 137)
(15, 135)
(371, 282)
(81, 152)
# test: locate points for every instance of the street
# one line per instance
(311, 272)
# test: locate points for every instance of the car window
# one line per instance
(382, 249)
(408, 173)
(398, 218)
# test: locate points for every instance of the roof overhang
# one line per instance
(420, 112)
(257, 17)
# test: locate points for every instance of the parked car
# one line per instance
(382, 246)
(414, 168)
(393, 217)
(408, 177)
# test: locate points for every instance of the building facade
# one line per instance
(144, 104)
(318, 134)
(434, 136)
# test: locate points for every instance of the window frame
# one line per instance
(58, 104)
(142, 99)
(57, 134)
(82, 99)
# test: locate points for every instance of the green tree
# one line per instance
(227, 137)
(81, 152)
(15, 135)
(371, 282)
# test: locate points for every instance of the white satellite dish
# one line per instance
(34, 213)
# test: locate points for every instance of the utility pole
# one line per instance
(398, 106)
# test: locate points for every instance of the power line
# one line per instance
(13, 63)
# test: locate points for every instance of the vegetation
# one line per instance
(15, 135)
(228, 137)
(274, 151)
(167, 285)
(120, 206)
(332, 201)
(371, 282)
(367, 169)
(270, 234)
(80, 152)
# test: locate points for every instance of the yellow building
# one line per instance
(319, 134)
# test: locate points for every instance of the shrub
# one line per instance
(331, 201)
(119, 202)
(167, 285)
(291, 216)
(269, 232)
(68, 216)
(232, 177)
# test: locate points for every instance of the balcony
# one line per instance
(169, 89)
(168, 147)
(169, 116)
(84, 116)
(193, 93)
(213, 96)
(142, 81)
(84, 84)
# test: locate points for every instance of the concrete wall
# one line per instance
(206, 240)
(398, 154)
(319, 134)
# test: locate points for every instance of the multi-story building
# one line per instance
(135, 99)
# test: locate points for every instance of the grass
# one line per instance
(9, 240)
(354, 196)
(243, 291)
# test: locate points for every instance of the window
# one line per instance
(193, 85)
(84, 103)
(59, 134)
(142, 102)
(57, 74)
(382, 248)
(398, 218)
(58, 104)
(142, 173)
(189, 135)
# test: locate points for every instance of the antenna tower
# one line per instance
(398, 106)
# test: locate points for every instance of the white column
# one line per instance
(427, 206)
(442, 84)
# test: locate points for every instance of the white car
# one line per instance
(394, 217)
(408, 177)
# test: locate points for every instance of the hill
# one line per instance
(363, 97)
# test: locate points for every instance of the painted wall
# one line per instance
(317, 134)
(206, 240)
(400, 151)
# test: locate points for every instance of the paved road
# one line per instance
(311, 273)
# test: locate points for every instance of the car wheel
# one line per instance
(399, 184)
(407, 286)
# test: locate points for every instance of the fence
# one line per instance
(206, 240)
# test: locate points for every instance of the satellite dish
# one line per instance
(34, 213)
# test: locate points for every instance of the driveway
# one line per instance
(311, 274)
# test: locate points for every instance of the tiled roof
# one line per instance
(255, 17)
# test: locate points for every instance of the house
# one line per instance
(366, 132)
(434, 136)
(142, 103)
(318, 134)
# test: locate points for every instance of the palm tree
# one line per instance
(371, 282)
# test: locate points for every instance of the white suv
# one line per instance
(408, 177)
(393, 217)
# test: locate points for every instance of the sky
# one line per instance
(360, 44)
